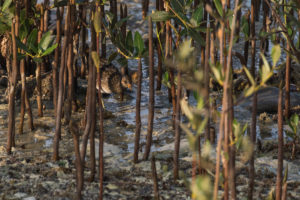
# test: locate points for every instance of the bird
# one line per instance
(114, 81)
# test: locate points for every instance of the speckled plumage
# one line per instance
(112, 81)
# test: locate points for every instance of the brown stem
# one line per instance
(280, 146)
(154, 177)
(56, 58)
(254, 102)
(78, 163)
(138, 113)
(38, 70)
(287, 83)
(12, 84)
(61, 89)
(206, 82)
(177, 128)
(151, 93)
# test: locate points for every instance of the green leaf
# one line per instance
(197, 16)
(196, 36)
(121, 22)
(217, 71)
(159, 16)
(249, 91)
(46, 40)
(21, 45)
(32, 40)
(129, 42)
(177, 5)
(139, 43)
(6, 4)
(49, 50)
(219, 7)
(266, 72)
(275, 54)
(97, 21)
(249, 75)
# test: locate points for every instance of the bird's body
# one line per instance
(112, 81)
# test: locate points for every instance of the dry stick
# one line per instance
(78, 163)
(138, 112)
(154, 177)
(254, 103)
(11, 100)
(56, 57)
(280, 146)
(38, 69)
(151, 93)
(61, 89)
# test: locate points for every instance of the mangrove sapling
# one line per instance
(70, 59)
(280, 145)
(254, 102)
(13, 71)
(287, 69)
(168, 54)
(39, 66)
(139, 46)
(25, 103)
(138, 113)
(98, 24)
(206, 82)
(59, 17)
(159, 30)
(83, 53)
(61, 87)
(154, 178)
(78, 162)
(177, 126)
(151, 93)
